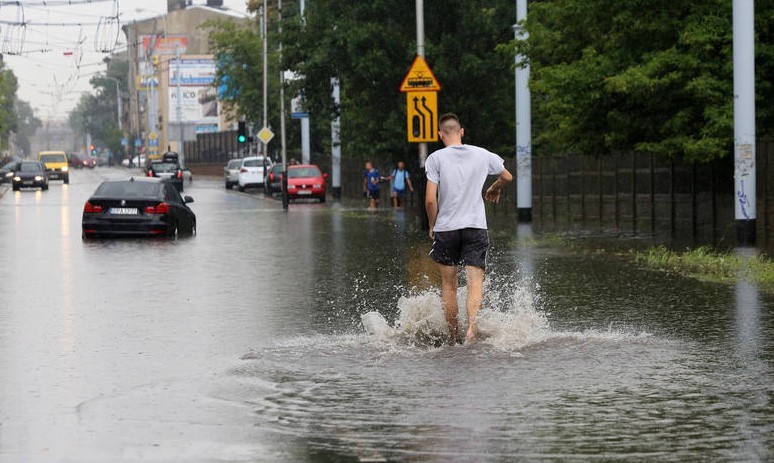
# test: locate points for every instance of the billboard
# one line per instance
(158, 45)
(198, 105)
(192, 72)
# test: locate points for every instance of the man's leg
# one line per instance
(475, 297)
(449, 298)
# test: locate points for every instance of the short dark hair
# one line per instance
(447, 117)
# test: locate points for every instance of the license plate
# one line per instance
(29, 182)
(305, 192)
(123, 210)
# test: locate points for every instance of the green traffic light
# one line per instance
(241, 139)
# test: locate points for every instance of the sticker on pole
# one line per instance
(420, 78)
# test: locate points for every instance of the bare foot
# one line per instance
(471, 334)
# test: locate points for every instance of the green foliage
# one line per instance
(8, 87)
(97, 113)
(369, 46)
(27, 125)
(653, 76)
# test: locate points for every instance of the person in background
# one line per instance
(371, 185)
(400, 179)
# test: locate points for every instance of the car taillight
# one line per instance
(179, 174)
(150, 173)
(160, 208)
(271, 176)
(89, 208)
(242, 170)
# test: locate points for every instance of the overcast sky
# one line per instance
(56, 61)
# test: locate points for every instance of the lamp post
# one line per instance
(523, 123)
(118, 102)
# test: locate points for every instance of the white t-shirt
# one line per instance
(460, 172)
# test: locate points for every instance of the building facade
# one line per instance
(171, 71)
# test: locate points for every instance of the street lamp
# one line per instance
(118, 102)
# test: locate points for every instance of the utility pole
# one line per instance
(422, 184)
(285, 198)
(265, 73)
(336, 139)
(523, 123)
(179, 108)
(744, 121)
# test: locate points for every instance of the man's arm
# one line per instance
(408, 182)
(493, 192)
(431, 204)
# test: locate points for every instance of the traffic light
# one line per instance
(93, 150)
(242, 132)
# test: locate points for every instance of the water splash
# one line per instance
(510, 319)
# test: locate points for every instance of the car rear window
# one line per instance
(29, 167)
(128, 189)
(234, 164)
(254, 163)
(164, 166)
(303, 172)
(53, 158)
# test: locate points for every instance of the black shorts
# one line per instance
(461, 247)
(373, 194)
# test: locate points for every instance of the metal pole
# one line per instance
(523, 123)
(422, 154)
(744, 121)
(179, 108)
(336, 139)
(265, 73)
(285, 198)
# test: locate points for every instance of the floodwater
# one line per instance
(312, 336)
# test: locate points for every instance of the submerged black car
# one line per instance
(167, 167)
(30, 174)
(142, 206)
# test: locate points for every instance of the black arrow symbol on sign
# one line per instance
(429, 112)
(421, 115)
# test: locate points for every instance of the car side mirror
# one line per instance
(325, 175)
(187, 199)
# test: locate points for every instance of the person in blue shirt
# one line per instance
(371, 185)
(400, 179)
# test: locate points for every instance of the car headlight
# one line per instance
(64, 169)
(17, 179)
(9, 174)
(291, 187)
(317, 185)
(38, 178)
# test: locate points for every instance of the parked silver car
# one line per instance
(231, 172)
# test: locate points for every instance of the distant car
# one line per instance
(138, 206)
(89, 161)
(168, 167)
(136, 161)
(251, 173)
(56, 165)
(306, 181)
(74, 161)
(30, 174)
(273, 180)
(231, 173)
(6, 172)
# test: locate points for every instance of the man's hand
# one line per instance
(493, 194)
(432, 235)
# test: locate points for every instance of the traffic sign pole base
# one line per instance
(745, 232)
(524, 214)
(337, 193)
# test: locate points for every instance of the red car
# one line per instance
(306, 181)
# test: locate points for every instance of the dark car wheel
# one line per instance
(67, 179)
(44, 187)
(241, 188)
(228, 185)
(173, 231)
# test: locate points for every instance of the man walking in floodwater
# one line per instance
(455, 209)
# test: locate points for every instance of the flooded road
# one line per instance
(311, 336)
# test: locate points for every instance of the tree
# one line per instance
(27, 125)
(8, 87)
(369, 46)
(97, 114)
(649, 76)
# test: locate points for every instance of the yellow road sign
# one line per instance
(265, 135)
(422, 116)
(420, 78)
